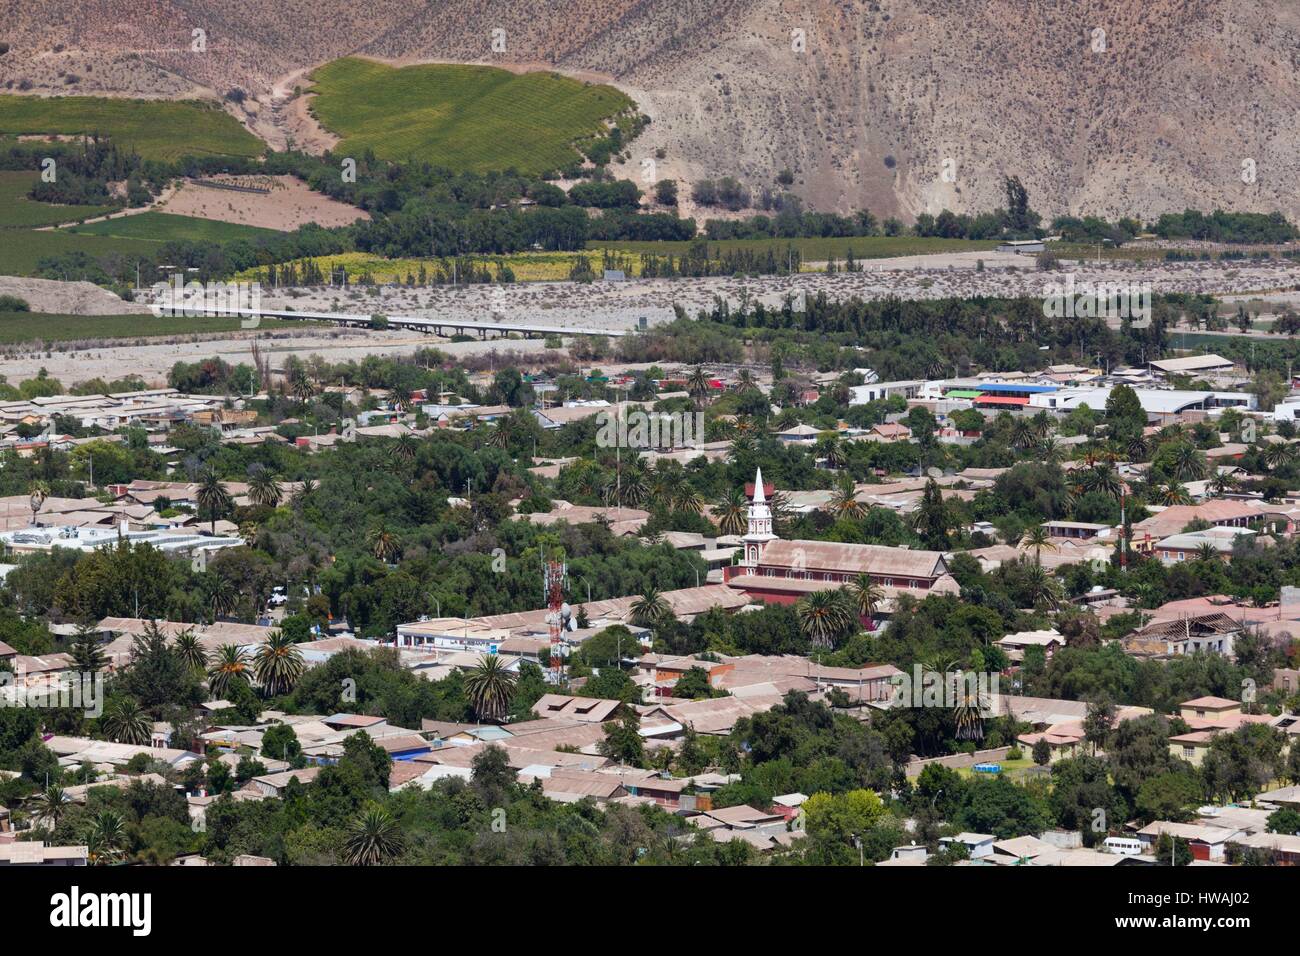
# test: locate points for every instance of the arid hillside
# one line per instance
(903, 106)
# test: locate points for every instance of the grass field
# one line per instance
(17, 210)
(165, 227)
(16, 327)
(22, 249)
(816, 249)
(156, 129)
(474, 118)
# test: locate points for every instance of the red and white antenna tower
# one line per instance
(554, 574)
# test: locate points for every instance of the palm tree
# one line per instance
(1279, 455)
(1207, 552)
(373, 838)
(490, 687)
(302, 387)
(698, 385)
(1137, 447)
(36, 497)
(1049, 449)
(745, 380)
(264, 488)
(650, 609)
(1102, 478)
(1038, 538)
(1172, 493)
(824, 616)
(231, 665)
(383, 543)
(1189, 463)
(278, 663)
(1042, 587)
(212, 496)
(127, 723)
(1223, 482)
(732, 512)
(844, 502)
(866, 595)
(303, 494)
(220, 595)
(51, 804)
(831, 447)
(190, 651)
(969, 707)
(405, 448)
(104, 838)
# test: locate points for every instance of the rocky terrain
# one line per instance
(1103, 106)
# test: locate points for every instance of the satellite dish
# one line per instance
(934, 472)
(565, 610)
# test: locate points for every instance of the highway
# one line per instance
(443, 327)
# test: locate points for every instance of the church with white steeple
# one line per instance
(777, 571)
(760, 523)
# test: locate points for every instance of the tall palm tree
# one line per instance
(212, 496)
(1223, 482)
(866, 595)
(1037, 538)
(1279, 455)
(303, 494)
(264, 488)
(1022, 434)
(650, 608)
(230, 665)
(51, 804)
(302, 387)
(405, 448)
(383, 543)
(969, 707)
(219, 594)
(127, 723)
(490, 687)
(190, 651)
(37, 494)
(831, 447)
(732, 512)
(745, 380)
(105, 838)
(278, 663)
(844, 503)
(374, 838)
(698, 385)
(824, 617)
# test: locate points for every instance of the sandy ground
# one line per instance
(620, 305)
(67, 298)
(153, 361)
(288, 205)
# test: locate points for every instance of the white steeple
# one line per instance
(760, 523)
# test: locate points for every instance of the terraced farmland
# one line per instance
(476, 118)
(156, 129)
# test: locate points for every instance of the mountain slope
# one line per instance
(1184, 92)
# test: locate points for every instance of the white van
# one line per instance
(1124, 846)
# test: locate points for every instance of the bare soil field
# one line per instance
(288, 205)
(619, 305)
(68, 298)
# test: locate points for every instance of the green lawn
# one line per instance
(18, 210)
(815, 249)
(31, 326)
(474, 118)
(165, 227)
(156, 129)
